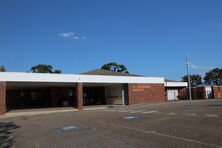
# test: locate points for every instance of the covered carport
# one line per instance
(29, 95)
(36, 90)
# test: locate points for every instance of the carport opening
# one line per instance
(103, 94)
(29, 95)
(39, 95)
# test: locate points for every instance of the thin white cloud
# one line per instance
(71, 35)
(66, 34)
(79, 38)
(198, 67)
(76, 37)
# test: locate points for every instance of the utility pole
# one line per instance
(188, 75)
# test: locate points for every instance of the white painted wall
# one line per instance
(73, 78)
(114, 91)
(114, 94)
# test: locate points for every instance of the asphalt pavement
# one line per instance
(191, 124)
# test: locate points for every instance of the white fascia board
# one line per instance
(73, 78)
(176, 84)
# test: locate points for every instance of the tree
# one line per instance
(214, 77)
(57, 71)
(43, 68)
(2, 69)
(113, 66)
(195, 80)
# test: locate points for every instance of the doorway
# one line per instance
(172, 94)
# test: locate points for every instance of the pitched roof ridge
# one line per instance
(107, 72)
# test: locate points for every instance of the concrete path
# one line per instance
(31, 112)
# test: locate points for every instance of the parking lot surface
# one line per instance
(193, 124)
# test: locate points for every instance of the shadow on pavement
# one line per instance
(6, 128)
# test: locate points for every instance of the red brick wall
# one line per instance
(183, 94)
(145, 93)
(217, 92)
(2, 98)
(200, 93)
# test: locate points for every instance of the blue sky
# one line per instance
(150, 37)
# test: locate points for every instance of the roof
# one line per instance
(108, 72)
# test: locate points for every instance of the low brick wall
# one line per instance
(198, 93)
(145, 93)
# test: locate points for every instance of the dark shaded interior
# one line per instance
(40, 97)
(94, 96)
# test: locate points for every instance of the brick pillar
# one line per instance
(204, 93)
(130, 99)
(215, 90)
(2, 98)
(220, 92)
(79, 96)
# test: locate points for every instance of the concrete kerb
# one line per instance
(87, 108)
(33, 113)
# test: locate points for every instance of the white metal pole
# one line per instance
(123, 96)
(188, 75)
